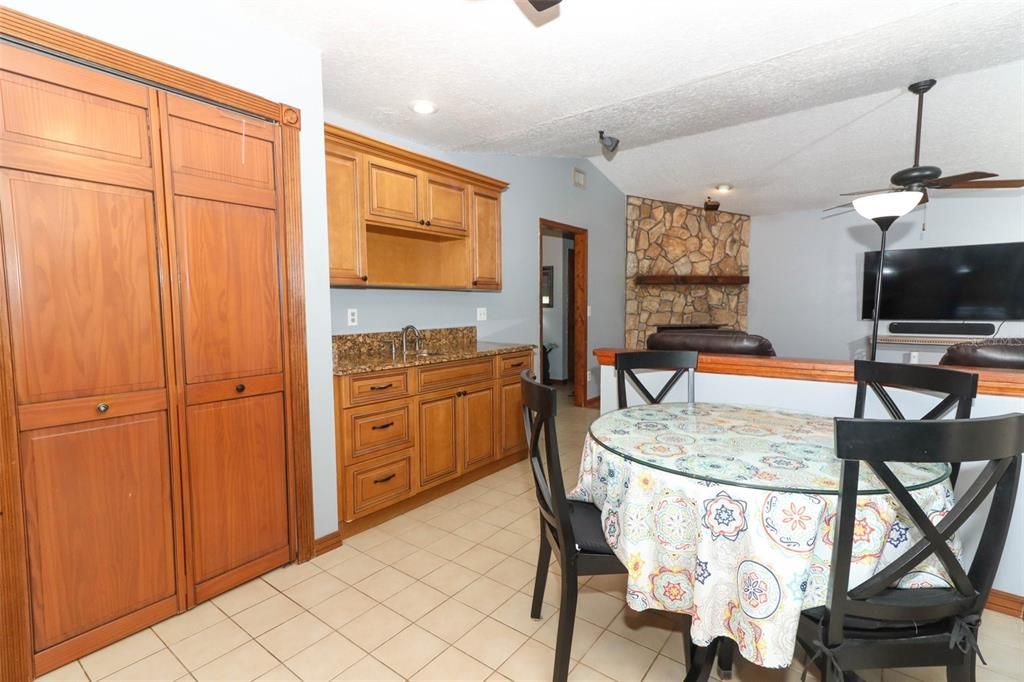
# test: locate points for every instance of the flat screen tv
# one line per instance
(984, 282)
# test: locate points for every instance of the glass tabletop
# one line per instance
(753, 447)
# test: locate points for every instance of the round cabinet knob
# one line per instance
(240, 388)
(365, 277)
(423, 222)
(428, 222)
(102, 407)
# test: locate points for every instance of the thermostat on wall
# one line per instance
(579, 178)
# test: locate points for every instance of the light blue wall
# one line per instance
(538, 188)
(806, 271)
(556, 254)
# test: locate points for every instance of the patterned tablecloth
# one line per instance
(726, 513)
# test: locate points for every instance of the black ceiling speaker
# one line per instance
(922, 178)
(541, 5)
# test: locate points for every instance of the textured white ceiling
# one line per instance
(668, 77)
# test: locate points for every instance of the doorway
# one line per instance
(563, 306)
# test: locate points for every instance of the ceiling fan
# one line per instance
(541, 5)
(922, 178)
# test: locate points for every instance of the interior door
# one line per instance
(224, 181)
(439, 438)
(486, 239)
(347, 249)
(479, 409)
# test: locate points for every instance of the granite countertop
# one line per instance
(356, 362)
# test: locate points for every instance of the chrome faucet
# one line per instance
(405, 338)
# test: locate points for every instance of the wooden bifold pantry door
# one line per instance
(142, 266)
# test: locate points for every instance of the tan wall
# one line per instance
(663, 238)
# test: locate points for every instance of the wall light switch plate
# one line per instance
(353, 317)
(481, 314)
(588, 311)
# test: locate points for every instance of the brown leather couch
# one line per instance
(705, 340)
(1005, 353)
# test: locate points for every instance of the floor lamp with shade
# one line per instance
(884, 209)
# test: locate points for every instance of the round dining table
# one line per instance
(726, 513)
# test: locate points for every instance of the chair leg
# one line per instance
(566, 621)
(702, 660)
(687, 642)
(543, 560)
(726, 654)
(964, 672)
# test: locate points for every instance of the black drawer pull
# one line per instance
(383, 480)
(517, 364)
(383, 426)
(240, 388)
(381, 387)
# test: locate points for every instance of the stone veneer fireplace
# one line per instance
(667, 239)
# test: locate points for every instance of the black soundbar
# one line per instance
(943, 328)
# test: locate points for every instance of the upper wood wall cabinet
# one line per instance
(400, 219)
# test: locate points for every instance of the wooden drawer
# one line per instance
(374, 485)
(375, 429)
(372, 388)
(454, 374)
(233, 388)
(511, 365)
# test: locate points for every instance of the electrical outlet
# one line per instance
(481, 314)
(353, 317)
(590, 375)
(915, 357)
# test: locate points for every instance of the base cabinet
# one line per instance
(452, 418)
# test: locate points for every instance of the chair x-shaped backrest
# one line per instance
(539, 409)
(960, 389)
(996, 440)
(682, 361)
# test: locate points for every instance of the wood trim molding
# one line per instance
(25, 28)
(1006, 602)
(326, 543)
(683, 280)
(351, 139)
(1009, 382)
(581, 279)
(298, 396)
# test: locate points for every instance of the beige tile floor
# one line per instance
(442, 593)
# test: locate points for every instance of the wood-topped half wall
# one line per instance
(1008, 382)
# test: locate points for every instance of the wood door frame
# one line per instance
(15, 626)
(579, 237)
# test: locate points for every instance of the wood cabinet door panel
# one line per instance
(446, 203)
(230, 291)
(486, 237)
(393, 189)
(513, 435)
(61, 107)
(439, 440)
(83, 279)
(238, 482)
(100, 525)
(345, 243)
(479, 410)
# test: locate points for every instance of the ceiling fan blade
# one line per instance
(865, 191)
(960, 177)
(541, 5)
(924, 197)
(986, 184)
(832, 208)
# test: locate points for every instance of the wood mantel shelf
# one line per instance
(691, 279)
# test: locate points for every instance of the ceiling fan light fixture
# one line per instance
(423, 106)
(887, 204)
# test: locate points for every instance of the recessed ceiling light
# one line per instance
(723, 188)
(423, 106)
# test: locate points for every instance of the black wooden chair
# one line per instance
(875, 625)
(960, 389)
(682, 361)
(571, 528)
